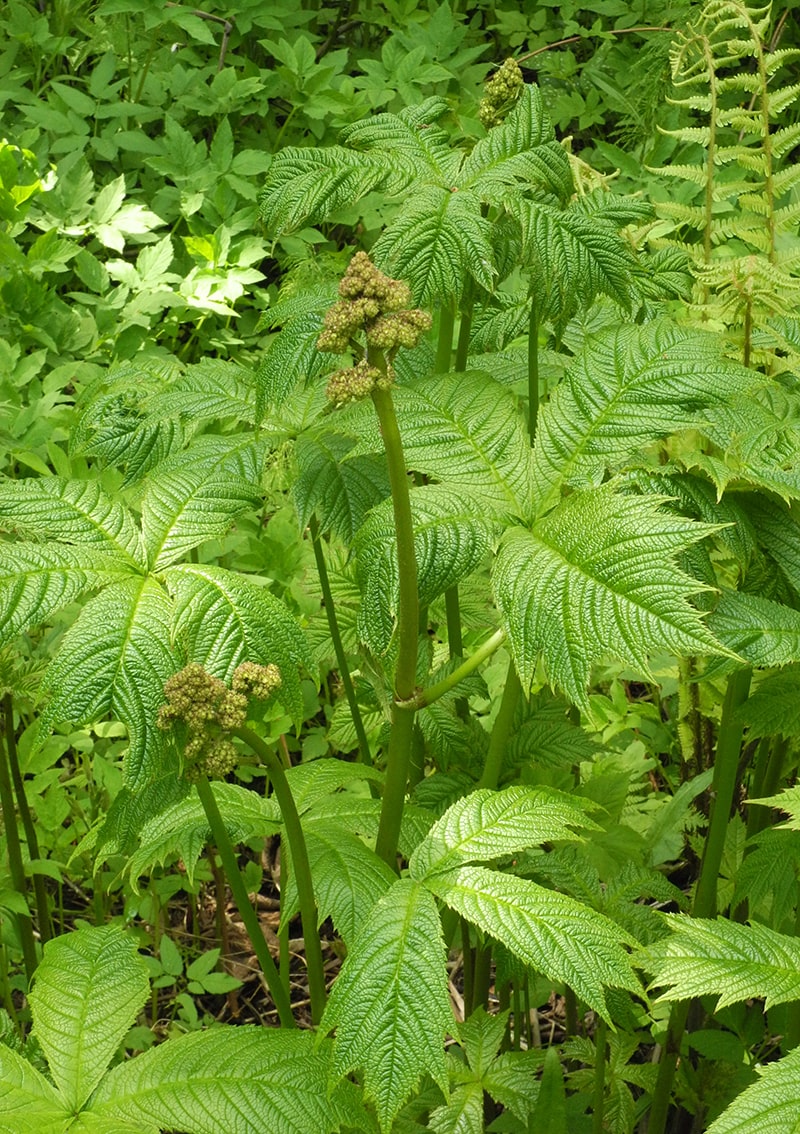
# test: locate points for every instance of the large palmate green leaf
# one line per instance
(627, 387)
(88, 989)
(189, 501)
(452, 535)
(70, 511)
(390, 1005)
(340, 492)
(763, 632)
(486, 825)
(37, 579)
(548, 931)
(244, 1080)
(115, 659)
(725, 959)
(348, 877)
(182, 828)
(29, 1103)
(309, 184)
(597, 576)
(210, 391)
(225, 618)
(770, 1106)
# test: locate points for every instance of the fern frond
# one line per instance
(38, 579)
(115, 659)
(452, 535)
(224, 618)
(702, 957)
(596, 577)
(70, 511)
(627, 386)
(390, 1005)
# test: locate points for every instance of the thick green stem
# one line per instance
(444, 342)
(455, 643)
(767, 783)
(405, 677)
(501, 730)
(338, 646)
(39, 888)
(302, 870)
(227, 854)
(599, 1075)
(533, 367)
(15, 862)
(726, 766)
(433, 692)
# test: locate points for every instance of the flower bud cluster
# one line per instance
(500, 91)
(208, 710)
(377, 306)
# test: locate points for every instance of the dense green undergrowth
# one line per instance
(400, 586)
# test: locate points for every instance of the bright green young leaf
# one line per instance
(770, 1106)
(487, 825)
(70, 511)
(182, 828)
(348, 877)
(224, 618)
(115, 659)
(452, 535)
(463, 1114)
(725, 959)
(246, 1079)
(89, 987)
(390, 1005)
(36, 579)
(29, 1103)
(548, 931)
(596, 577)
(340, 492)
(628, 386)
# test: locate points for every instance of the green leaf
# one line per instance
(182, 829)
(38, 579)
(627, 387)
(390, 1005)
(763, 632)
(463, 1114)
(208, 391)
(725, 959)
(89, 987)
(225, 618)
(597, 577)
(71, 511)
(348, 877)
(773, 708)
(340, 492)
(258, 1078)
(29, 1104)
(115, 659)
(487, 825)
(550, 932)
(306, 185)
(451, 538)
(770, 1106)
(292, 357)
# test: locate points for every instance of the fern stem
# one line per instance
(338, 646)
(39, 888)
(302, 870)
(405, 677)
(498, 741)
(432, 693)
(729, 744)
(15, 863)
(533, 366)
(248, 915)
(600, 1039)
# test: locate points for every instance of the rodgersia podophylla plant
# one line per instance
(378, 309)
(209, 710)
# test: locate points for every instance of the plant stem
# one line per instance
(302, 871)
(599, 1075)
(15, 864)
(39, 888)
(498, 741)
(444, 342)
(405, 677)
(341, 657)
(227, 854)
(433, 692)
(767, 784)
(729, 743)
